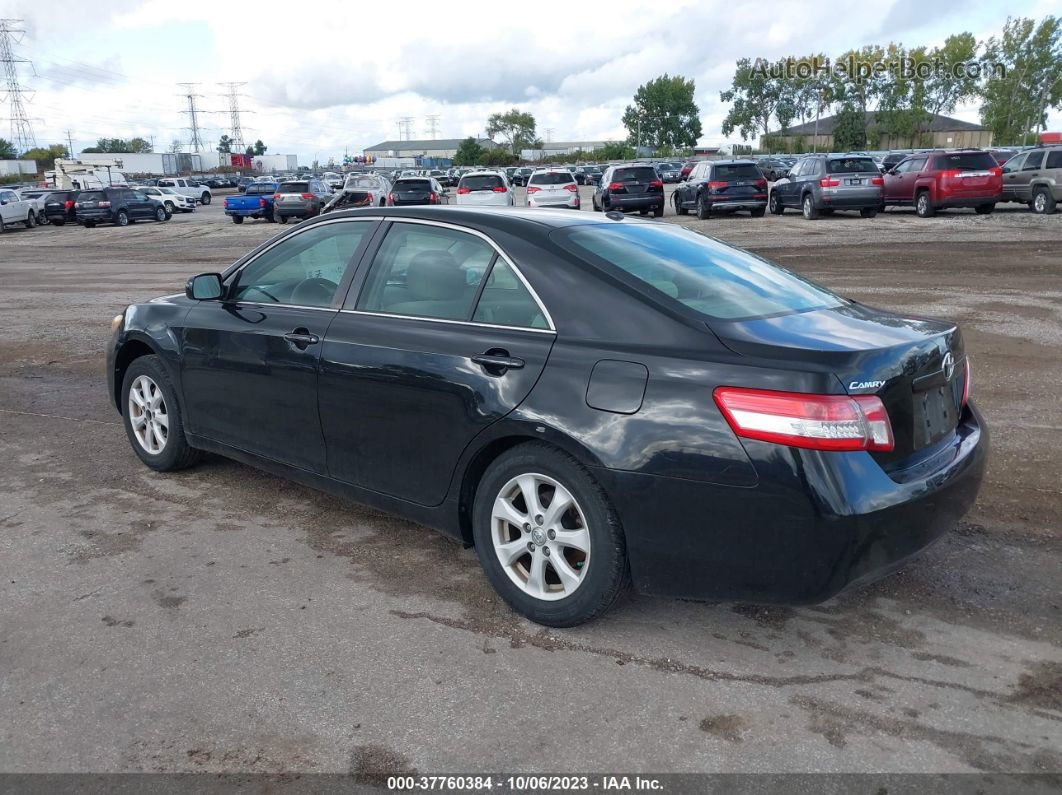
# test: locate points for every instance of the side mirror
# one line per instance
(205, 287)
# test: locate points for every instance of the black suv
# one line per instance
(715, 185)
(119, 206)
(631, 187)
(59, 206)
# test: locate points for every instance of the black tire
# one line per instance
(869, 212)
(161, 215)
(704, 211)
(644, 211)
(924, 205)
(237, 219)
(59, 222)
(281, 219)
(90, 224)
(658, 211)
(176, 453)
(607, 576)
(122, 219)
(679, 209)
(2, 227)
(31, 219)
(205, 198)
(270, 219)
(169, 206)
(984, 209)
(1043, 202)
(808, 208)
(758, 212)
(774, 205)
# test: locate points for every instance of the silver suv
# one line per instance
(1034, 178)
(819, 184)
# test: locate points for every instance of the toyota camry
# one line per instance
(594, 402)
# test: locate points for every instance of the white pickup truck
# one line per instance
(186, 187)
(16, 210)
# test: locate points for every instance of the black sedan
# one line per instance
(590, 401)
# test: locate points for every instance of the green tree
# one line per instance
(753, 96)
(469, 153)
(250, 151)
(498, 157)
(664, 114)
(850, 129)
(1015, 103)
(7, 150)
(113, 145)
(139, 145)
(516, 127)
(225, 144)
(259, 148)
(45, 155)
(613, 150)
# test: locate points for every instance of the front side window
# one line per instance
(305, 269)
(704, 274)
(426, 271)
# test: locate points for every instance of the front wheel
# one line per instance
(169, 207)
(152, 417)
(1043, 202)
(679, 209)
(548, 538)
(984, 209)
(774, 205)
(205, 198)
(31, 220)
(161, 214)
(869, 212)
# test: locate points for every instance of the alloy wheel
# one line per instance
(1040, 202)
(148, 416)
(540, 536)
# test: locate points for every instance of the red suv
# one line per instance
(934, 181)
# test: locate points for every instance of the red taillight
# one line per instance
(226, 204)
(369, 199)
(966, 383)
(877, 180)
(717, 185)
(656, 184)
(308, 196)
(760, 183)
(950, 173)
(996, 172)
(573, 188)
(261, 202)
(616, 186)
(104, 204)
(68, 204)
(276, 197)
(813, 422)
(498, 189)
(463, 191)
(829, 182)
(433, 198)
(390, 200)
(533, 189)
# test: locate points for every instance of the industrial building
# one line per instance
(435, 149)
(940, 131)
(18, 168)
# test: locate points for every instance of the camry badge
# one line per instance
(948, 366)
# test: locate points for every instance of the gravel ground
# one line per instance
(221, 619)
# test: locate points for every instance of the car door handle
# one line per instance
(492, 362)
(302, 337)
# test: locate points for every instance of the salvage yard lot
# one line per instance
(221, 619)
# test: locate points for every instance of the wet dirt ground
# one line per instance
(221, 619)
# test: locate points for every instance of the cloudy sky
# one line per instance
(326, 75)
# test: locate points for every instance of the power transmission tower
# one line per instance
(196, 142)
(11, 33)
(405, 127)
(549, 134)
(433, 125)
(234, 114)
(69, 145)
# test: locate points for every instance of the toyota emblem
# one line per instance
(948, 366)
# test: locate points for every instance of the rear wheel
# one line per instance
(984, 209)
(658, 211)
(1043, 202)
(704, 210)
(868, 212)
(59, 221)
(281, 219)
(644, 211)
(758, 212)
(924, 206)
(205, 198)
(548, 538)
(774, 205)
(161, 214)
(90, 224)
(152, 417)
(169, 207)
(237, 219)
(31, 219)
(811, 212)
(679, 209)
(2, 227)
(122, 218)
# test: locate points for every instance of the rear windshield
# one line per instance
(736, 171)
(482, 182)
(92, 195)
(556, 178)
(850, 165)
(640, 174)
(413, 184)
(294, 187)
(704, 274)
(965, 161)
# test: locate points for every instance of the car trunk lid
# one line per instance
(734, 181)
(636, 181)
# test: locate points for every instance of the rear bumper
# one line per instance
(852, 199)
(739, 204)
(95, 216)
(625, 203)
(815, 524)
(967, 201)
(295, 210)
(246, 211)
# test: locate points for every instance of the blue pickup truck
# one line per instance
(255, 202)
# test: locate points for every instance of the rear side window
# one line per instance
(736, 171)
(850, 165)
(505, 300)
(1033, 161)
(1054, 158)
(294, 187)
(964, 161)
(638, 174)
(702, 273)
(482, 182)
(556, 178)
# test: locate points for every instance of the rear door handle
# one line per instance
(491, 362)
(301, 337)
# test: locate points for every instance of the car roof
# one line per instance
(500, 218)
(735, 162)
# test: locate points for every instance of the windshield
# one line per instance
(482, 182)
(850, 165)
(704, 274)
(556, 178)
(966, 161)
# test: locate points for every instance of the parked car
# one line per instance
(589, 175)
(300, 199)
(243, 182)
(933, 181)
(255, 202)
(670, 172)
(687, 168)
(171, 199)
(59, 206)
(722, 186)
(186, 187)
(823, 183)
(553, 187)
(890, 160)
(484, 188)
(1034, 178)
(772, 168)
(520, 176)
(118, 206)
(508, 172)
(798, 442)
(360, 190)
(39, 197)
(416, 190)
(624, 188)
(16, 210)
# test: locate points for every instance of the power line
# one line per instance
(21, 132)
(433, 125)
(196, 142)
(234, 114)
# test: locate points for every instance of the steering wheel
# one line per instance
(314, 292)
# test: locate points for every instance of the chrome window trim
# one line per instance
(271, 305)
(501, 254)
(445, 320)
